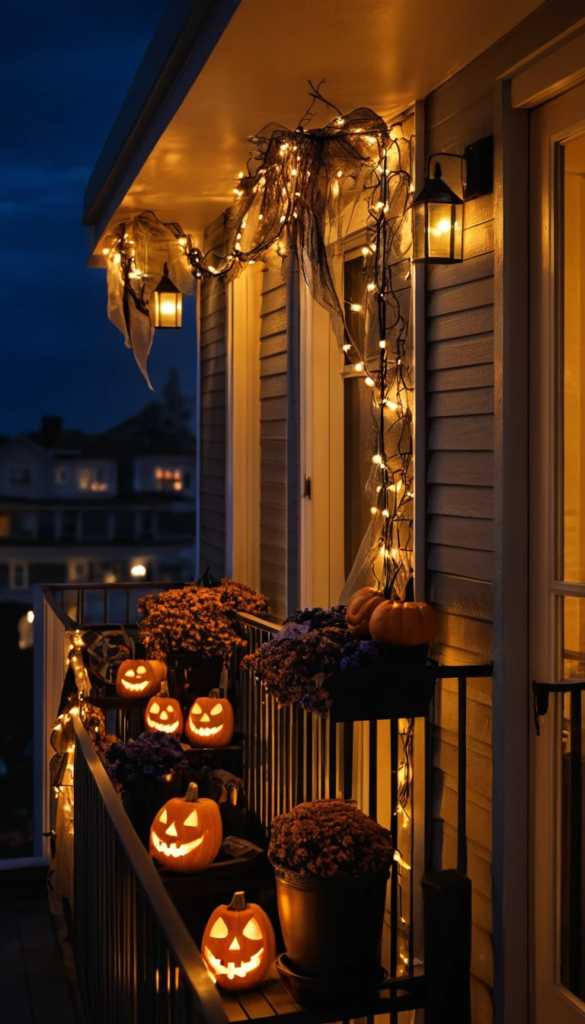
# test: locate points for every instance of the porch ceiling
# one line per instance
(378, 53)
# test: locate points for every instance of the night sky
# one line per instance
(65, 70)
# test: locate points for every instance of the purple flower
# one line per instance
(149, 758)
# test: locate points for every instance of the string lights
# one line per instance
(299, 186)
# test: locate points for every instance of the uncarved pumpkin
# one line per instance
(140, 678)
(163, 714)
(210, 722)
(186, 834)
(403, 623)
(238, 944)
(360, 608)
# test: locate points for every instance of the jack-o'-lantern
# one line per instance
(140, 678)
(403, 623)
(238, 944)
(163, 714)
(210, 722)
(360, 608)
(186, 834)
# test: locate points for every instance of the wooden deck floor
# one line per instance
(33, 984)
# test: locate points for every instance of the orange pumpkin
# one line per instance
(238, 944)
(360, 608)
(210, 722)
(186, 834)
(403, 623)
(163, 714)
(140, 678)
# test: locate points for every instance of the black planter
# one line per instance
(332, 927)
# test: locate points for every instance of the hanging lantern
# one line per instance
(437, 223)
(168, 303)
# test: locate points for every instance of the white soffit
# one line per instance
(378, 53)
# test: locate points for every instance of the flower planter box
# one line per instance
(397, 691)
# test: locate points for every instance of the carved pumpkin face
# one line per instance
(186, 834)
(360, 608)
(403, 623)
(210, 722)
(163, 714)
(238, 944)
(140, 678)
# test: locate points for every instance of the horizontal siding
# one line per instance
(213, 352)
(273, 442)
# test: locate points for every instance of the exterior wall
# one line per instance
(213, 348)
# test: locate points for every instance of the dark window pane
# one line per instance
(172, 524)
(46, 526)
(4, 575)
(124, 526)
(20, 475)
(94, 525)
(23, 525)
(47, 572)
(69, 525)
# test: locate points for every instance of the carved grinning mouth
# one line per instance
(135, 686)
(241, 971)
(209, 730)
(172, 850)
(160, 726)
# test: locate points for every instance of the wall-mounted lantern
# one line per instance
(437, 211)
(168, 303)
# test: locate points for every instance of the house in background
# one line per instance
(78, 507)
(499, 401)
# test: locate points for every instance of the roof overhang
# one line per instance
(219, 70)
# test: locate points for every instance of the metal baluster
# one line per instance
(462, 779)
(394, 830)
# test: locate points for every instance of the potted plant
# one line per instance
(332, 863)
(147, 773)
(194, 629)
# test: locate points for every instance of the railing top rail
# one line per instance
(181, 944)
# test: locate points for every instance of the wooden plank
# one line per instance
(273, 387)
(444, 355)
(478, 240)
(273, 323)
(482, 955)
(234, 1011)
(478, 868)
(476, 502)
(467, 634)
(212, 519)
(278, 997)
(477, 211)
(255, 1004)
(212, 484)
(213, 503)
(462, 379)
(474, 469)
(479, 768)
(273, 346)
(462, 433)
(461, 324)
(450, 274)
(271, 278)
(463, 533)
(273, 409)
(480, 690)
(479, 820)
(272, 365)
(459, 596)
(212, 450)
(472, 565)
(471, 295)
(467, 402)
(479, 725)
(213, 349)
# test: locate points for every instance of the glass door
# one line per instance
(557, 552)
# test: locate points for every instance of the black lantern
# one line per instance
(168, 303)
(437, 215)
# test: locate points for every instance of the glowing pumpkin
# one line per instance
(360, 608)
(163, 714)
(186, 834)
(403, 623)
(238, 944)
(210, 722)
(140, 678)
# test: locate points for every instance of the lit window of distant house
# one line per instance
(61, 475)
(170, 479)
(4, 524)
(92, 478)
(18, 575)
(20, 476)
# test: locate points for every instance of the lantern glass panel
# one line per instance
(168, 309)
(444, 231)
(419, 252)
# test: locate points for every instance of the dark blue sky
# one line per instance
(65, 70)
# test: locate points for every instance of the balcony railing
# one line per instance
(136, 960)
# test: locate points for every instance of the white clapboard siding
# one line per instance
(213, 415)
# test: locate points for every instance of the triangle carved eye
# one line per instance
(196, 709)
(216, 710)
(155, 708)
(219, 929)
(252, 929)
(192, 821)
(163, 818)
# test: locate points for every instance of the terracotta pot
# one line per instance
(332, 927)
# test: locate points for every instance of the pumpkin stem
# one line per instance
(215, 693)
(164, 689)
(238, 901)
(192, 794)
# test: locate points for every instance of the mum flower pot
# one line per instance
(332, 927)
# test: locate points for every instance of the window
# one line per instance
(124, 526)
(24, 525)
(4, 524)
(20, 476)
(46, 529)
(61, 475)
(4, 574)
(18, 575)
(170, 479)
(92, 478)
(68, 525)
(94, 525)
(173, 524)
